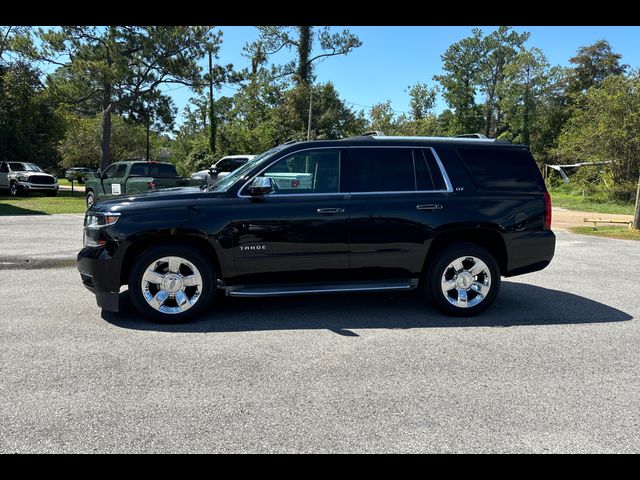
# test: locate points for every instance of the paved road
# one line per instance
(551, 367)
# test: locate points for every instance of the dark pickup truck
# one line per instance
(130, 177)
(446, 216)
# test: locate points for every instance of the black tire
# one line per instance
(90, 198)
(14, 191)
(204, 266)
(435, 272)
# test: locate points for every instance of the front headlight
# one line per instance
(22, 178)
(100, 219)
(94, 222)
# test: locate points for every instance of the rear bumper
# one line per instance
(529, 251)
(100, 274)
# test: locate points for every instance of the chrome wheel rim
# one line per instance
(171, 285)
(13, 189)
(89, 199)
(466, 282)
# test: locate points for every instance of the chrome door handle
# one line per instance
(330, 211)
(429, 207)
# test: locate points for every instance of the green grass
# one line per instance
(39, 204)
(588, 204)
(623, 233)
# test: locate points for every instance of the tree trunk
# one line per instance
(106, 128)
(304, 52)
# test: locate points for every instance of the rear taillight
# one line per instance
(547, 211)
(151, 185)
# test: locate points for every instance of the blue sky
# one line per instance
(392, 58)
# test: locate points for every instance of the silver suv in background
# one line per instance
(24, 177)
(221, 168)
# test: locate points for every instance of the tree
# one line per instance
(301, 39)
(112, 68)
(461, 64)
(422, 99)
(593, 64)
(607, 128)
(521, 92)
(30, 125)
(499, 50)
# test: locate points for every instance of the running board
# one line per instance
(306, 289)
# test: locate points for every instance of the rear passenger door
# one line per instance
(398, 195)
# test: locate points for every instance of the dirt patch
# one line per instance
(565, 219)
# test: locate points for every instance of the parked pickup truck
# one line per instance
(131, 177)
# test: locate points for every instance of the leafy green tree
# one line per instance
(461, 63)
(592, 64)
(607, 128)
(109, 69)
(521, 92)
(30, 125)
(81, 145)
(499, 50)
(422, 99)
(301, 39)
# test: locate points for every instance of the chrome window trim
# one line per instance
(443, 172)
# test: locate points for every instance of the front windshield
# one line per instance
(24, 167)
(227, 182)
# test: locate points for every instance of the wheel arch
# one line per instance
(194, 241)
(486, 237)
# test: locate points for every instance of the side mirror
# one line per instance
(98, 173)
(261, 186)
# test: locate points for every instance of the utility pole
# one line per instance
(310, 110)
(148, 115)
(636, 216)
(212, 120)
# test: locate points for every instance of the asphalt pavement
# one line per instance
(552, 366)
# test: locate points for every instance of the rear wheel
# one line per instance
(462, 280)
(171, 283)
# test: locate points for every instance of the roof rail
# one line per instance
(472, 135)
(373, 133)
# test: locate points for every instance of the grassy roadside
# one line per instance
(588, 204)
(622, 233)
(39, 204)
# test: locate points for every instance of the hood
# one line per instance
(31, 172)
(156, 199)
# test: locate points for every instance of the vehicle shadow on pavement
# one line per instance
(517, 304)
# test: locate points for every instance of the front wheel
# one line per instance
(13, 189)
(91, 198)
(171, 283)
(462, 280)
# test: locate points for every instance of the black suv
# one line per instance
(449, 216)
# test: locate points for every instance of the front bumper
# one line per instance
(100, 274)
(33, 187)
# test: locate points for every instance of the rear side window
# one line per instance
(139, 170)
(428, 173)
(162, 170)
(382, 170)
(502, 169)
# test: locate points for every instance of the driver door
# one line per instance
(298, 232)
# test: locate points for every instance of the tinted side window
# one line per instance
(434, 169)
(502, 169)
(382, 170)
(139, 170)
(120, 171)
(110, 172)
(3, 167)
(162, 170)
